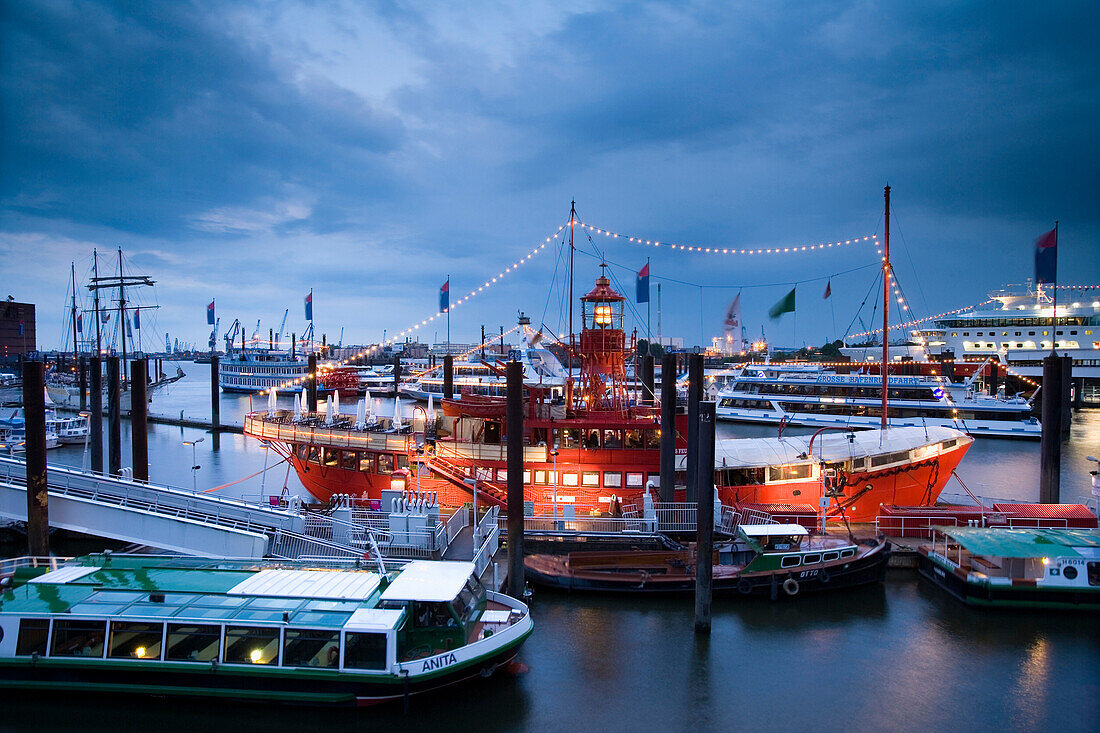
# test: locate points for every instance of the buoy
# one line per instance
(790, 587)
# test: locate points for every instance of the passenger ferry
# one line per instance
(283, 633)
(810, 395)
(1015, 567)
(486, 379)
(262, 369)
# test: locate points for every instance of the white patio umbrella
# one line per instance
(396, 413)
(328, 411)
(272, 396)
(361, 415)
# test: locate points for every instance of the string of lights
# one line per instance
(726, 250)
(370, 350)
(907, 324)
(466, 353)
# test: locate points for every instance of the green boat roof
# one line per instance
(1023, 542)
(196, 589)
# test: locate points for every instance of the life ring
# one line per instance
(824, 576)
(790, 587)
(744, 586)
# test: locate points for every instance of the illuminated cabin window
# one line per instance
(790, 472)
(135, 640)
(602, 315)
(251, 645)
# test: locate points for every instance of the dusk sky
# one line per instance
(250, 151)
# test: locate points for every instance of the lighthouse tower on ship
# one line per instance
(602, 350)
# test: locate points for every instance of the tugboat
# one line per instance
(284, 633)
(765, 560)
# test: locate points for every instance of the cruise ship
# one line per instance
(813, 396)
(1016, 330)
(259, 369)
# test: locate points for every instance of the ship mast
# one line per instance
(885, 304)
(122, 311)
(572, 343)
(95, 277)
(76, 345)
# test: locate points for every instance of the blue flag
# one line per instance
(210, 314)
(80, 323)
(309, 306)
(445, 296)
(1046, 257)
(137, 318)
(642, 294)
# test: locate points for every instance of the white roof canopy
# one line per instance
(339, 585)
(774, 530)
(429, 580)
(831, 446)
(374, 619)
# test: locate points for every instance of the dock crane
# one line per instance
(231, 333)
(256, 333)
(214, 333)
(279, 333)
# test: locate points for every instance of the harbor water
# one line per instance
(896, 656)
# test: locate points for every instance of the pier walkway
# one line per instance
(181, 520)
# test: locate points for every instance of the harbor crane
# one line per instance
(279, 333)
(231, 334)
(214, 333)
(256, 333)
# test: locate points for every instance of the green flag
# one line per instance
(785, 305)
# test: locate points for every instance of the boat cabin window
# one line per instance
(492, 432)
(251, 645)
(612, 439)
(592, 440)
(365, 651)
(366, 462)
(744, 476)
(330, 456)
(135, 640)
(831, 556)
(789, 561)
(385, 463)
(78, 638)
(1093, 572)
(633, 439)
(349, 460)
(432, 615)
(192, 643)
(568, 438)
(311, 648)
(32, 637)
(789, 472)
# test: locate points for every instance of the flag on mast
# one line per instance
(828, 290)
(445, 296)
(210, 313)
(732, 324)
(137, 318)
(80, 323)
(1046, 257)
(785, 305)
(309, 306)
(642, 290)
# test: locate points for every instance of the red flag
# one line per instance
(828, 290)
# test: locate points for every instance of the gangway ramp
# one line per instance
(159, 516)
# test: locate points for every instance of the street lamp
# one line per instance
(87, 432)
(194, 464)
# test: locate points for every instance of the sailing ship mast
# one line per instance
(76, 345)
(885, 305)
(572, 342)
(95, 279)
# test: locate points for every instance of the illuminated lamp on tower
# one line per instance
(602, 349)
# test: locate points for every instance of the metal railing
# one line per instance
(456, 523)
(11, 564)
(912, 525)
(490, 525)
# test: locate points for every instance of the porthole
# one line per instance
(789, 561)
(829, 556)
(1068, 572)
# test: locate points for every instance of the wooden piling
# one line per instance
(1067, 396)
(449, 377)
(704, 489)
(82, 382)
(668, 428)
(647, 380)
(695, 396)
(396, 375)
(95, 420)
(114, 417)
(34, 415)
(515, 479)
(139, 423)
(215, 393)
(311, 383)
(1050, 446)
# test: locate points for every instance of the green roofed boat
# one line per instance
(284, 633)
(1016, 566)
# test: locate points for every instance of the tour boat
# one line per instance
(1015, 566)
(811, 395)
(764, 559)
(486, 379)
(258, 369)
(282, 633)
